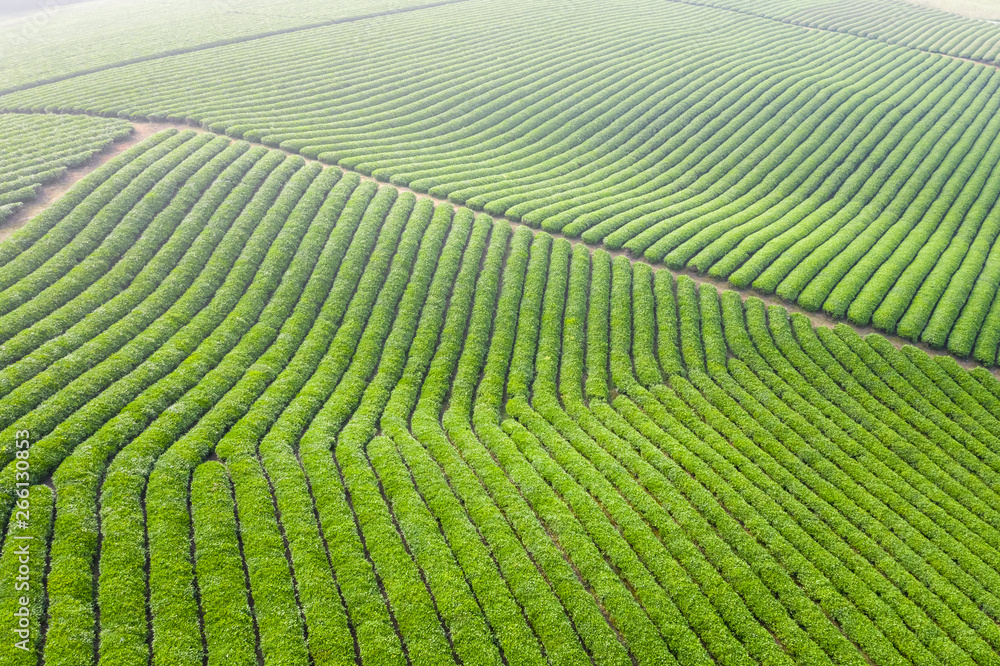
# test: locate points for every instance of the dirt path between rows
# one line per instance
(54, 190)
(144, 129)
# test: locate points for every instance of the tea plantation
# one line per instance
(382, 333)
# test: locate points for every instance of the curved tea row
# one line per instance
(838, 171)
(286, 415)
(38, 150)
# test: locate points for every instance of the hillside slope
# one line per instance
(837, 170)
(288, 413)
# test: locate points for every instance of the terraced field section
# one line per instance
(841, 156)
(903, 22)
(38, 150)
(281, 415)
(49, 40)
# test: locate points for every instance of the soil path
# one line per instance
(54, 190)
(144, 129)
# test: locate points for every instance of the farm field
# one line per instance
(52, 39)
(979, 9)
(548, 340)
(844, 161)
(38, 150)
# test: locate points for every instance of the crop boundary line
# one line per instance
(50, 192)
(146, 128)
(207, 46)
(835, 31)
(161, 55)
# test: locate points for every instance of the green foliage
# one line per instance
(22, 565)
(38, 150)
(844, 159)
(228, 620)
(293, 416)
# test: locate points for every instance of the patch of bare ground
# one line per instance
(147, 128)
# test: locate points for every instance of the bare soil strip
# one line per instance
(52, 191)
(143, 129)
